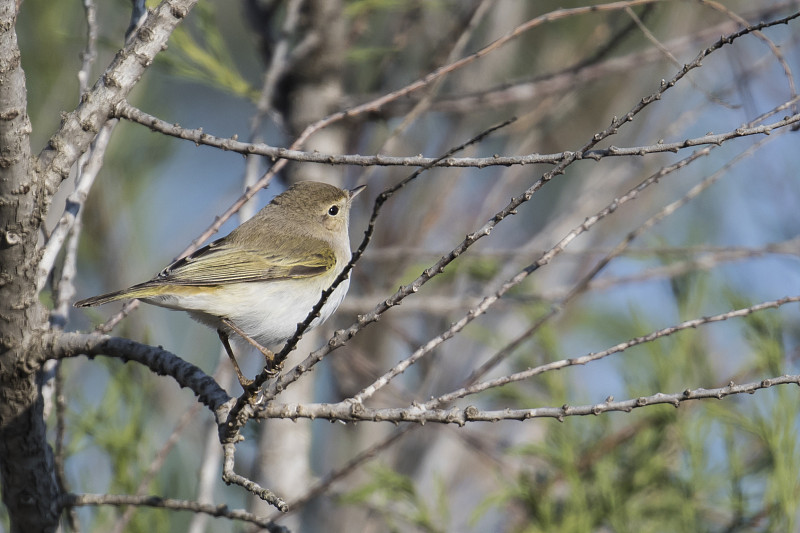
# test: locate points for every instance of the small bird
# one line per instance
(263, 278)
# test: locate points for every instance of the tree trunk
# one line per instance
(29, 487)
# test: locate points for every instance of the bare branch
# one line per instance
(546, 258)
(378, 103)
(342, 336)
(229, 476)
(79, 127)
(160, 361)
(198, 136)
(419, 414)
(760, 35)
(582, 360)
(74, 500)
(75, 201)
(490, 300)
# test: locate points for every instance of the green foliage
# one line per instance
(357, 8)
(396, 499)
(706, 466)
(727, 466)
(204, 56)
(116, 428)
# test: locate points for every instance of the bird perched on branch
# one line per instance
(265, 277)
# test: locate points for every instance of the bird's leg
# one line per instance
(268, 355)
(243, 381)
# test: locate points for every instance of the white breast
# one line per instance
(267, 311)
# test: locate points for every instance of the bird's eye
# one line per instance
(334, 210)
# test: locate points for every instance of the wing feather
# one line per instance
(220, 263)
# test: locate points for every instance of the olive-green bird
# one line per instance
(262, 279)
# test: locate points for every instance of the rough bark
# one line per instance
(29, 491)
(27, 184)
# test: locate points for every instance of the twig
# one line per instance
(198, 136)
(760, 35)
(705, 262)
(342, 336)
(672, 59)
(394, 253)
(322, 485)
(582, 360)
(379, 202)
(419, 414)
(72, 500)
(585, 281)
(540, 86)
(231, 477)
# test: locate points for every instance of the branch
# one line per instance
(540, 86)
(712, 256)
(74, 500)
(564, 363)
(229, 476)
(546, 258)
(57, 345)
(390, 253)
(378, 103)
(759, 35)
(353, 412)
(198, 136)
(343, 336)
(24, 452)
(79, 127)
(584, 283)
(71, 216)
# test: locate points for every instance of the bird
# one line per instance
(263, 278)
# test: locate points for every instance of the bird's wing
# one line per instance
(220, 263)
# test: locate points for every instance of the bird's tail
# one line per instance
(142, 290)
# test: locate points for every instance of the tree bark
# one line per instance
(27, 185)
(30, 491)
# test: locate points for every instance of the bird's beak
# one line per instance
(354, 192)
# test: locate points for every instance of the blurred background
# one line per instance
(727, 465)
